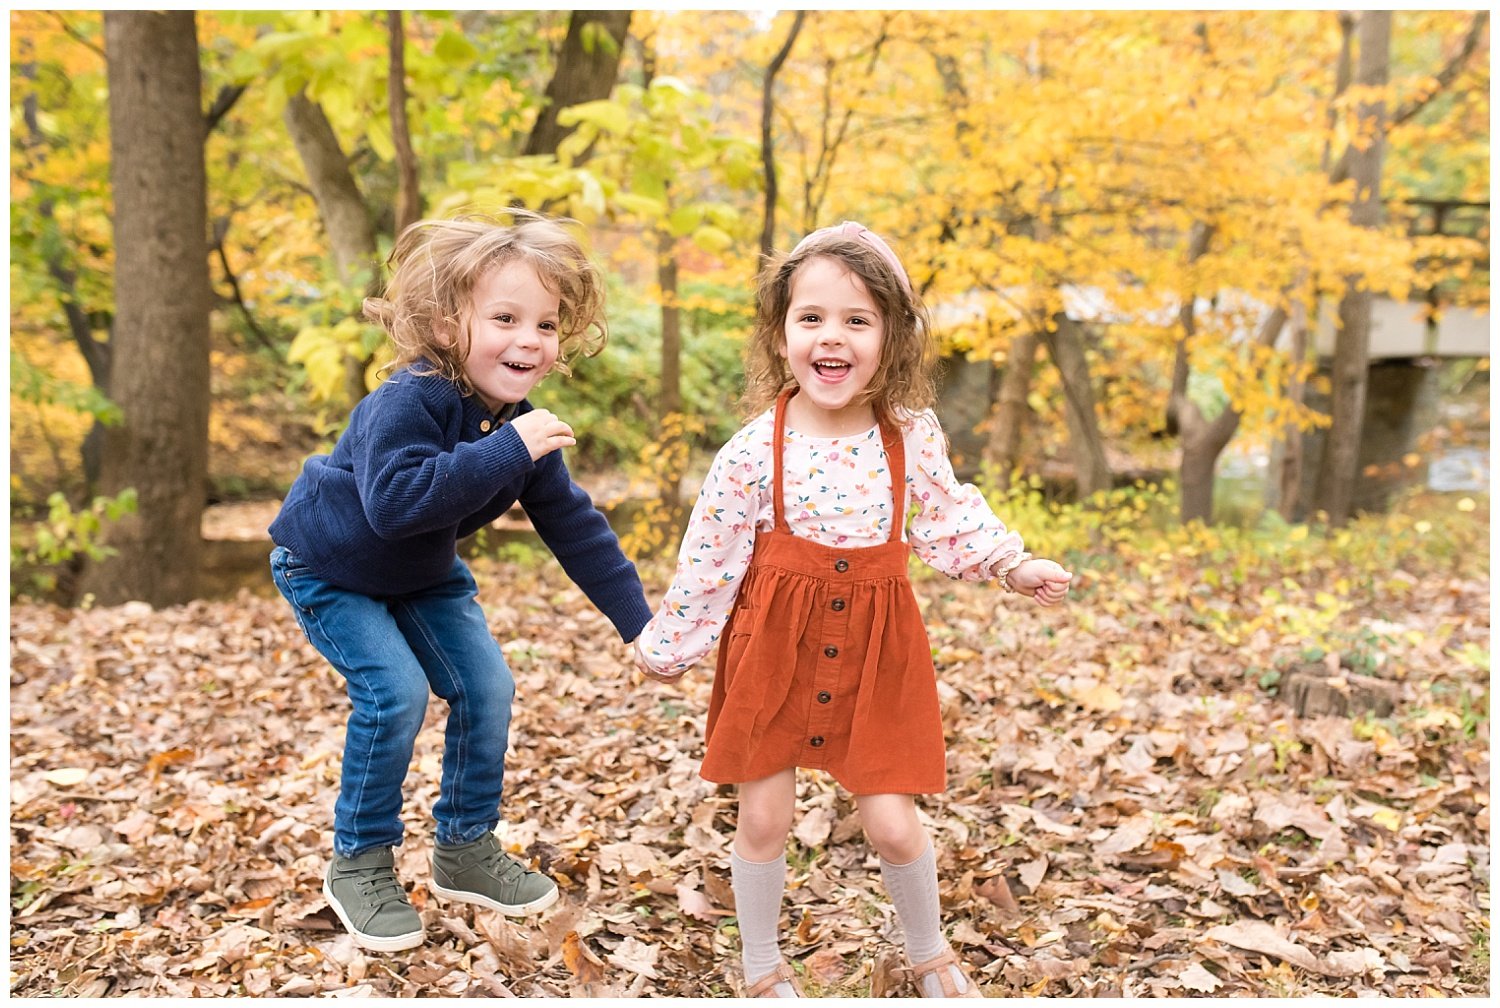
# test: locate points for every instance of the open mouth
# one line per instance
(831, 369)
(517, 367)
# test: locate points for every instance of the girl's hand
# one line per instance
(1044, 580)
(649, 672)
(543, 432)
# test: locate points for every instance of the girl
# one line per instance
(366, 549)
(794, 562)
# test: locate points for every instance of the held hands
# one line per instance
(647, 670)
(1044, 580)
(543, 432)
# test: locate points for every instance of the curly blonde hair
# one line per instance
(435, 265)
(904, 381)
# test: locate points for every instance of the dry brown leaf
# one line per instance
(1258, 936)
(997, 891)
(586, 967)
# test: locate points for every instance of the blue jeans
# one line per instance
(390, 651)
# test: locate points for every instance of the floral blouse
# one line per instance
(838, 492)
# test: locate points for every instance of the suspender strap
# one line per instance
(895, 455)
(776, 440)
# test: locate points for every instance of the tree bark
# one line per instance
(342, 208)
(586, 71)
(671, 328)
(1289, 475)
(1351, 356)
(1065, 345)
(1198, 239)
(1008, 424)
(161, 363)
(409, 184)
(767, 144)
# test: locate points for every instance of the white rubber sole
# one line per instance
(509, 909)
(375, 943)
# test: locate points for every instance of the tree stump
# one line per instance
(1312, 691)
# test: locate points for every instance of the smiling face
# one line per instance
(833, 336)
(512, 333)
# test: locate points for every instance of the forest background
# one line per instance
(1253, 755)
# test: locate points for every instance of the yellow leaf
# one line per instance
(67, 776)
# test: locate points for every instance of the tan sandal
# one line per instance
(766, 985)
(940, 965)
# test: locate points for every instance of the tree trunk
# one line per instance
(587, 66)
(767, 145)
(409, 187)
(1289, 475)
(1198, 239)
(161, 365)
(1065, 345)
(1351, 356)
(342, 208)
(1008, 424)
(671, 328)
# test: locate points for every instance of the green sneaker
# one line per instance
(367, 896)
(479, 872)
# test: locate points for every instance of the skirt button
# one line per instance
(816, 740)
(841, 565)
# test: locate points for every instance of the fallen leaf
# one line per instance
(997, 891)
(1032, 872)
(586, 967)
(636, 956)
(1195, 977)
(694, 904)
(1258, 936)
(67, 776)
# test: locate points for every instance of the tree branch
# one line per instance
(1444, 78)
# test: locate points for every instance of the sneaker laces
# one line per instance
(379, 884)
(509, 869)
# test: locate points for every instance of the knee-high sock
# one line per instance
(758, 888)
(914, 893)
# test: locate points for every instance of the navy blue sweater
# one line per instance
(419, 468)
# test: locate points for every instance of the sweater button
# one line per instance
(831, 651)
(817, 741)
(485, 426)
(824, 696)
(838, 605)
(841, 565)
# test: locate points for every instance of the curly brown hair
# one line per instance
(435, 265)
(904, 382)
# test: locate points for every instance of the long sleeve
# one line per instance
(733, 504)
(954, 529)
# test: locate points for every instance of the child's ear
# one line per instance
(445, 333)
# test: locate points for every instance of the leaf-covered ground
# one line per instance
(1130, 812)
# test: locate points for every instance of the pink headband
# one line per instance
(849, 229)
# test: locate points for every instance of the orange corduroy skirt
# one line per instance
(825, 664)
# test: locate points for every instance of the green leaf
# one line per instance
(452, 47)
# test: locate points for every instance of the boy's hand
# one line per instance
(649, 672)
(1044, 580)
(543, 432)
